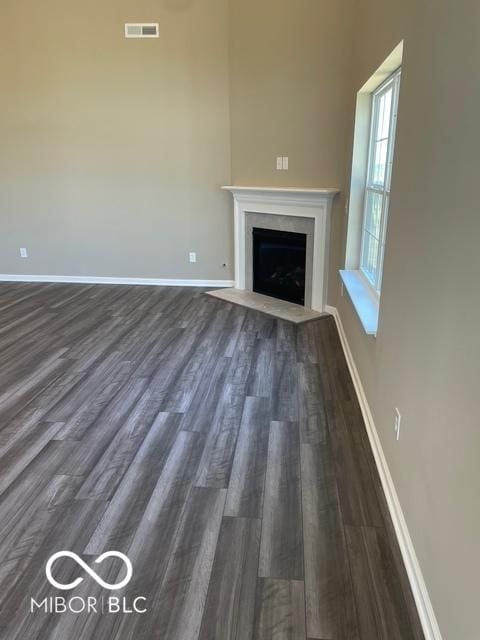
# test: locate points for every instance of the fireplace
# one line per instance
(279, 264)
(299, 214)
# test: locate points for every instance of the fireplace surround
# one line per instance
(298, 211)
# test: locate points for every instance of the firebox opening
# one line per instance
(279, 261)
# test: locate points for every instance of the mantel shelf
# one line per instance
(329, 193)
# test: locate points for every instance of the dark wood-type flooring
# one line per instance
(222, 450)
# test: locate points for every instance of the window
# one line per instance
(368, 200)
(379, 175)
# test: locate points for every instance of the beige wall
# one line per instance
(426, 357)
(112, 151)
(290, 95)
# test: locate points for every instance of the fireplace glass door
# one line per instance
(279, 259)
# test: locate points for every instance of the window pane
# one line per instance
(383, 125)
(380, 162)
(373, 213)
(370, 257)
(378, 109)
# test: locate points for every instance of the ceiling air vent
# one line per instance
(145, 30)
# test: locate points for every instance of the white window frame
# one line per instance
(392, 82)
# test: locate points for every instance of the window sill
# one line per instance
(364, 300)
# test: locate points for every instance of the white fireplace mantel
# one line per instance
(307, 203)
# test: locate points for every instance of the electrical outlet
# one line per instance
(398, 422)
(279, 163)
(285, 163)
(23, 252)
(192, 257)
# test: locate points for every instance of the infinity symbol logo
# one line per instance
(95, 576)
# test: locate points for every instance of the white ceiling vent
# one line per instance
(142, 30)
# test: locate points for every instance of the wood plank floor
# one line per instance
(223, 451)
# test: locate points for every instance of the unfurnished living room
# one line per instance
(239, 303)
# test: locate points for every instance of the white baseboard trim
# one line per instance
(154, 282)
(426, 613)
